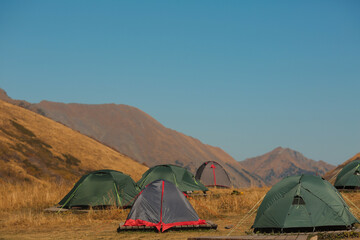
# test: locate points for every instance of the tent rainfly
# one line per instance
(101, 189)
(212, 174)
(303, 203)
(182, 178)
(349, 176)
(163, 206)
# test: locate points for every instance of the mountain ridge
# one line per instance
(281, 162)
(138, 135)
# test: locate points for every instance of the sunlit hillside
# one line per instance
(331, 175)
(35, 148)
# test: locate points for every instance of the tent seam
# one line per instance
(327, 205)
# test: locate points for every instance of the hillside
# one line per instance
(331, 175)
(20, 103)
(138, 135)
(282, 162)
(35, 148)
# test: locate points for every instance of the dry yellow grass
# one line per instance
(21, 207)
(25, 195)
(25, 135)
(22, 216)
(221, 203)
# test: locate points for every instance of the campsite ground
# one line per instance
(22, 216)
(105, 230)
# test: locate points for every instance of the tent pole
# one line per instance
(162, 196)
(117, 194)
(72, 195)
(246, 216)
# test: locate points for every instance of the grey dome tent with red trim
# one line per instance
(163, 206)
(212, 174)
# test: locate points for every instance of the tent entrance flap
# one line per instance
(298, 201)
(212, 174)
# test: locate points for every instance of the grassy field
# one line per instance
(22, 216)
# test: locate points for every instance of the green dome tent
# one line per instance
(182, 178)
(100, 189)
(303, 203)
(349, 176)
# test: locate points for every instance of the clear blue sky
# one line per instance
(246, 76)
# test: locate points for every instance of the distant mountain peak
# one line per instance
(3, 95)
(282, 150)
(278, 149)
(282, 162)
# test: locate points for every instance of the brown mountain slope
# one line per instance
(332, 174)
(282, 162)
(20, 103)
(35, 148)
(138, 135)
